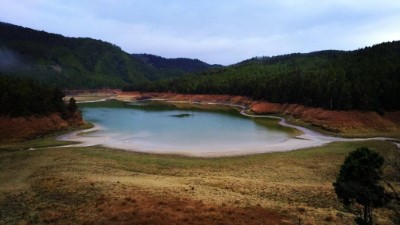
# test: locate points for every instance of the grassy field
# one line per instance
(96, 185)
(353, 134)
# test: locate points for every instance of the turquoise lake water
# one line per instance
(163, 127)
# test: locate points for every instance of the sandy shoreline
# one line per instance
(307, 139)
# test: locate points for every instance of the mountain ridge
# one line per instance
(180, 62)
(74, 62)
(366, 79)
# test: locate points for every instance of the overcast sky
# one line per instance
(215, 31)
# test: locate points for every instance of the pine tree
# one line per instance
(358, 182)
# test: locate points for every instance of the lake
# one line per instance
(163, 127)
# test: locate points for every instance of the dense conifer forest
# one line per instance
(366, 79)
(25, 97)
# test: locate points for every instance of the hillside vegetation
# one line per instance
(366, 79)
(24, 97)
(163, 68)
(77, 62)
(30, 109)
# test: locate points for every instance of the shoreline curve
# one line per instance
(307, 139)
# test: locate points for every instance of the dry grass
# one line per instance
(104, 186)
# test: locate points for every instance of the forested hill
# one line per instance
(69, 62)
(173, 67)
(367, 79)
(74, 62)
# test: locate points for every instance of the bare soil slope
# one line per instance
(21, 128)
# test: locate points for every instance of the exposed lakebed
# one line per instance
(189, 129)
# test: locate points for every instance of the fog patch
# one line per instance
(10, 61)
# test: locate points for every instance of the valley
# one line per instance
(182, 141)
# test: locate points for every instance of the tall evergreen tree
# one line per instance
(359, 182)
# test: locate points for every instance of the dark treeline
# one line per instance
(366, 79)
(24, 97)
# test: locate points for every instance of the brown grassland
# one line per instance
(95, 185)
